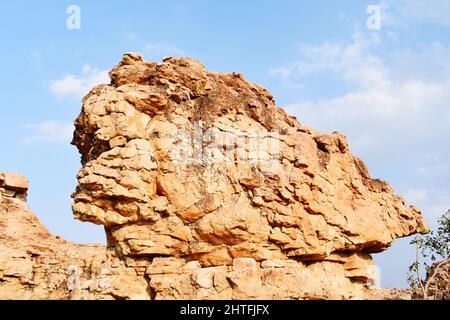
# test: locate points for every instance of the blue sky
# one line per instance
(387, 89)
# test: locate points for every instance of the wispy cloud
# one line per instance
(352, 61)
(378, 109)
(48, 131)
(35, 57)
(161, 50)
(153, 50)
(389, 115)
(72, 86)
(433, 202)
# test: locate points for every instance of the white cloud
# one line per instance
(395, 115)
(72, 86)
(436, 169)
(434, 211)
(353, 62)
(156, 51)
(283, 72)
(433, 203)
(379, 109)
(48, 131)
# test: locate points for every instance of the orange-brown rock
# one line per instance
(207, 190)
(35, 264)
(187, 164)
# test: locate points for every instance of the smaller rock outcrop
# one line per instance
(13, 185)
(34, 264)
(209, 190)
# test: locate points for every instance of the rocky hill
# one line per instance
(35, 264)
(207, 190)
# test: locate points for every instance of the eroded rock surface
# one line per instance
(207, 190)
(34, 264)
(198, 168)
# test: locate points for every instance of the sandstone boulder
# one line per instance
(206, 190)
(198, 166)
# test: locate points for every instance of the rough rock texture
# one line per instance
(208, 190)
(438, 280)
(440, 285)
(35, 264)
(390, 294)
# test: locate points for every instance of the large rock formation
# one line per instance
(188, 168)
(207, 190)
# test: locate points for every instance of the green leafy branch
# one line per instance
(434, 247)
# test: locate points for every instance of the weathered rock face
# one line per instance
(35, 264)
(208, 190)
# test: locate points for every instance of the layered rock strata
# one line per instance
(206, 190)
(189, 169)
